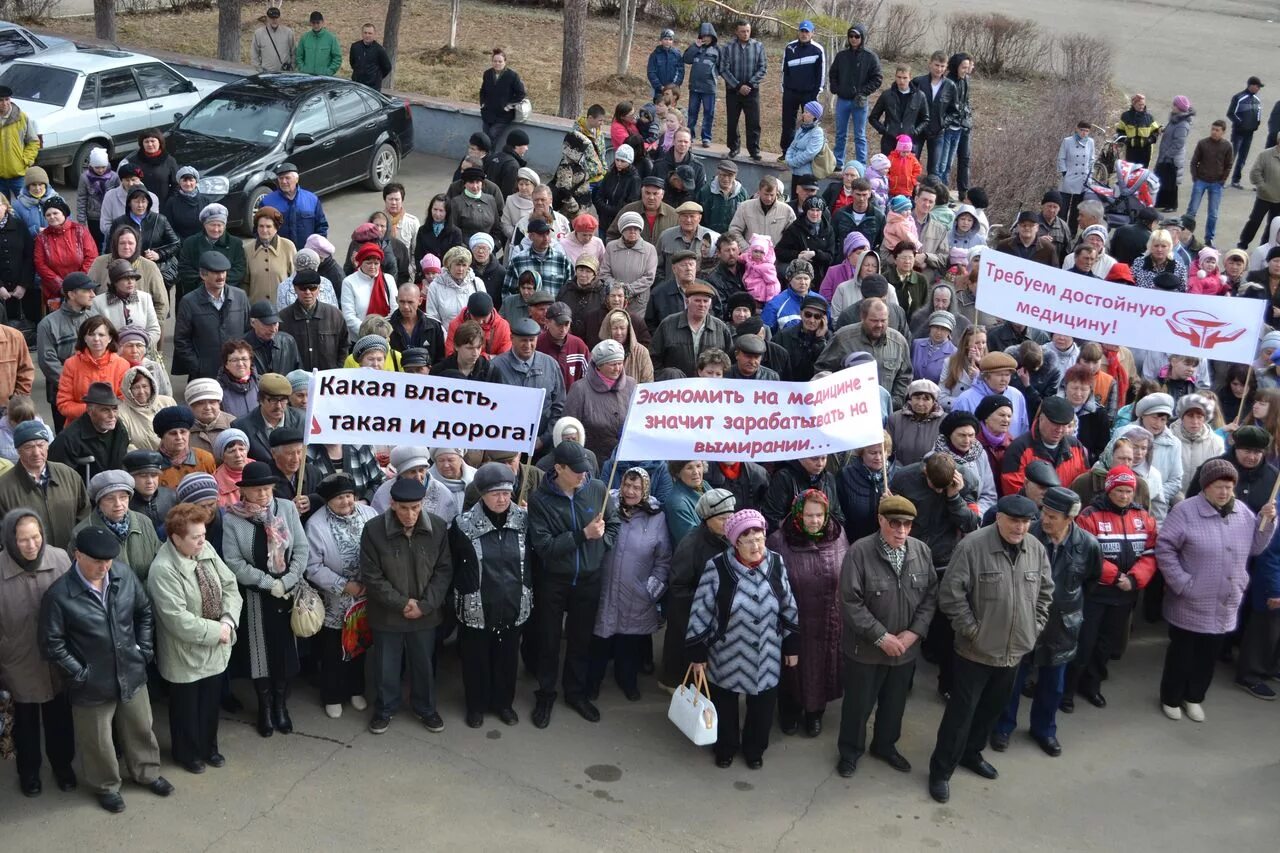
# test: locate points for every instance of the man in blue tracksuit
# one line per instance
(666, 65)
(303, 214)
(804, 76)
(1245, 114)
(703, 59)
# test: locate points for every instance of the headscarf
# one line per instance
(9, 537)
(641, 505)
(795, 531)
(277, 532)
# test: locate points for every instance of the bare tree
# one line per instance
(229, 30)
(573, 58)
(626, 34)
(455, 12)
(104, 19)
(391, 39)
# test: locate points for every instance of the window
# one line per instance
(347, 107)
(312, 117)
(251, 120)
(117, 87)
(42, 84)
(13, 45)
(156, 80)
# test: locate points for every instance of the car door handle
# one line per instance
(107, 115)
(156, 107)
(371, 125)
(329, 144)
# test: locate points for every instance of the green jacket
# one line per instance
(187, 647)
(19, 144)
(59, 505)
(140, 545)
(717, 208)
(318, 53)
(189, 262)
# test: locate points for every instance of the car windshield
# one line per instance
(250, 120)
(39, 83)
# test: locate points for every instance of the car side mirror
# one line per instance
(182, 88)
(177, 117)
(302, 140)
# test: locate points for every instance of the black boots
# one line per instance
(279, 710)
(263, 689)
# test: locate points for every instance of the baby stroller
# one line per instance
(1136, 187)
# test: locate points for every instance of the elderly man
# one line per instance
(524, 366)
(55, 491)
(56, 334)
(302, 211)
(1049, 439)
(748, 352)
(273, 46)
(413, 462)
(688, 235)
(997, 592)
(96, 626)
(272, 412)
(572, 523)
(669, 297)
(544, 256)
(720, 198)
(204, 396)
(406, 569)
(213, 237)
(320, 334)
(544, 209)
(630, 261)
(97, 440)
(890, 349)
(274, 351)
(149, 498)
(208, 318)
(411, 327)
(995, 372)
(297, 479)
(764, 214)
(1027, 242)
(681, 337)
(888, 595)
(28, 567)
(109, 494)
(1050, 225)
(657, 215)
(1075, 560)
(173, 424)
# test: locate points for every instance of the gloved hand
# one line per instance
(277, 589)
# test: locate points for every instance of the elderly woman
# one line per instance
(958, 437)
(367, 291)
(414, 462)
(125, 305)
(353, 460)
(1096, 237)
(62, 247)
(182, 207)
(618, 326)
(265, 546)
(492, 593)
(687, 562)
(568, 428)
(633, 580)
(94, 360)
(914, 429)
(601, 398)
(133, 345)
(448, 293)
(126, 245)
(1092, 425)
(109, 495)
(1158, 259)
(863, 481)
(139, 404)
(238, 378)
(995, 414)
(812, 546)
(370, 351)
(1201, 555)
(213, 237)
(450, 469)
(305, 261)
(687, 487)
(28, 567)
(474, 210)
(197, 610)
(231, 452)
(333, 567)
(269, 259)
(742, 631)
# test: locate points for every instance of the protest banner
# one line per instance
(1024, 292)
(363, 406)
(732, 419)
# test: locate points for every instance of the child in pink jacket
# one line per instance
(761, 276)
(1206, 274)
(878, 175)
(899, 224)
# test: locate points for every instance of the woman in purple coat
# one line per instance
(633, 579)
(812, 546)
(1201, 552)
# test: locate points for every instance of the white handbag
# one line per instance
(692, 711)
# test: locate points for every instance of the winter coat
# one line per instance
(542, 372)
(159, 174)
(26, 675)
(1173, 141)
(1074, 564)
(704, 62)
(601, 408)
(492, 578)
(55, 343)
(969, 400)
(1265, 583)
(498, 92)
(80, 439)
(665, 67)
(137, 419)
(429, 243)
(892, 354)
(805, 146)
(875, 600)
(897, 113)
(913, 436)
(940, 519)
(157, 235)
(1245, 112)
(855, 72)
(1197, 449)
(19, 143)
(719, 207)
(789, 481)
(317, 53)
(140, 308)
(634, 574)
(151, 285)
(60, 251)
(473, 215)
(102, 652)
(188, 646)
(303, 214)
(114, 206)
(231, 248)
(673, 345)
(1265, 175)
(1069, 458)
(59, 506)
(266, 266)
(1202, 556)
(681, 510)
(28, 209)
(751, 219)
(327, 569)
(813, 572)
(556, 520)
(357, 290)
(1075, 163)
(800, 236)
(904, 172)
(1138, 128)
(1127, 538)
(82, 370)
(447, 298)
(201, 329)
(761, 276)
(942, 104)
(618, 188)
(92, 189)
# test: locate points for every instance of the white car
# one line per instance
(18, 42)
(98, 98)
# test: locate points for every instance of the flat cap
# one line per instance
(1016, 506)
(284, 436)
(97, 543)
(214, 261)
(1042, 474)
(408, 490)
(275, 385)
(715, 502)
(997, 361)
(1063, 500)
(698, 287)
(525, 327)
(1058, 410)
(896, 506)
(750, 344)
(689, 207)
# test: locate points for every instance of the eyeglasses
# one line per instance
(272, 398)
(899, 523)
(306, 287)
(244, 359)
(855, 36)
(809, 315)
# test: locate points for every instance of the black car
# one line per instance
(335, 131)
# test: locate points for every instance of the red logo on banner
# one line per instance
(1202, 329)
(315, 426)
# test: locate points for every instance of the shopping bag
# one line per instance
(357, 636)
(824, 164)
(692, 711)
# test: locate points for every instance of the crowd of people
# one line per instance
(1030, 497)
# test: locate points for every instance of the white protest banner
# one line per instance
(363, 406)
(733, 419)
(1024, 292)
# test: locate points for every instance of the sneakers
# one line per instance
(1257, 690)
(359, 703)
(1194, 710)
(379, 724)
(1171, 712)
(432, 722)
(333, 712)
(1235, 185)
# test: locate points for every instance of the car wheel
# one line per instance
(72, 173)
(383, 167)
(253, 201)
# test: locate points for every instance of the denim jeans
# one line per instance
(12, 187)
(1198, 188)
(1044, 706)
(389, 651)
(707, 104)
(955, 149)
(847, 110)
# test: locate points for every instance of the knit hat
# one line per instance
(899, 204)
(298, 379)
(98, 157)
(903, 144)
(370, 342)
(608, 351)
(988, 405)
(186, 172)
(172, 417)
(1100, 230)
(742, 521)
(715, 502)
(517, 137)
(480, 238)
(130, 334)
(1239, 254)
(480, 140)
(799, 267)
(527, 174)
(406, 457)
(35, 175)
(106, 482)
(630, 219)
(225, 439)
(30, 431)
(368, 251)
(1249, 437)
(855, 240)
(213, 213)
(955, 420)
(320, 244)
(202, 389)
(1270, 339)
(480, 304)
(1217, 469)
(814, 109)
(625, 154)
(1122, 475)
(430, 263)
(196, 487)
(923, 386)
(1182, 104)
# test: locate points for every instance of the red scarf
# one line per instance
(378, 303)
(731, 470)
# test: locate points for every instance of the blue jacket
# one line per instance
(704, 62)
(804, 147)
(29, 209)
(804, 68)
(1266, 576)
(666, 65)
(784, 310)
(303, 216)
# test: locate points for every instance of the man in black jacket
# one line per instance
(274, 351)
(97, 435)
(1129, 242)
(96, 626)
(901, 110)
(503, 167)
(1245, 114)
(940, 93)
(369, 60)
(207, 318)
(855, 77)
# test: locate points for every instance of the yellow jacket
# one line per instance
(19, 144)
